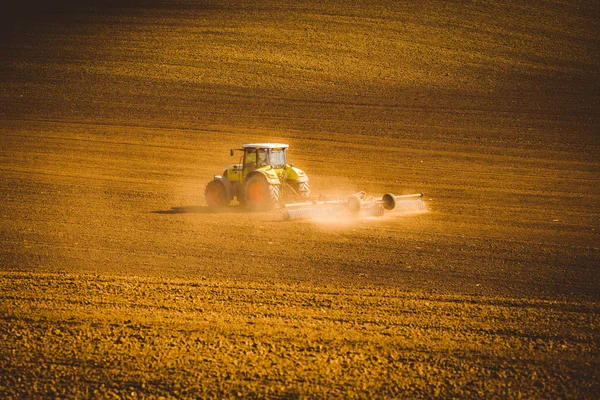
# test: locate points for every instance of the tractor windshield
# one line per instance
(277, 158)
(255, 158)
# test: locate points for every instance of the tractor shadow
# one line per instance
(202, 210)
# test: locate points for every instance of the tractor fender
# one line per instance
(301, 179)
(272, 178)
(233, 173)
(295, 174)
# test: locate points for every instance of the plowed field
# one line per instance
(117, 279)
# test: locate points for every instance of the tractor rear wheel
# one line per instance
(260, 194)
(215, 194)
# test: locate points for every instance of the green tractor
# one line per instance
(260, 181)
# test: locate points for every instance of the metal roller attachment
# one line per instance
(407, 201)
(358, 204)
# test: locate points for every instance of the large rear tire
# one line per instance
(215, 194)
(260, 194)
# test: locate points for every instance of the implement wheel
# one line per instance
(215, 194)
(260, 194)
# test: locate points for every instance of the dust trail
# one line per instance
(344, 214)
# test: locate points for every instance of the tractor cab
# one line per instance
(262, 155)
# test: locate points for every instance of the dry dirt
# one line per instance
(116, 279)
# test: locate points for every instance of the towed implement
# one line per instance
(359, 204)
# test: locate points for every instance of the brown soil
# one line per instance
(113, 119)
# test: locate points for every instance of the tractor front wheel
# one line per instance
(215, 194)
(303, 190)
(260, 194)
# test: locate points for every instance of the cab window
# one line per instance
(250, 158)
(262, 159)
(277, 158)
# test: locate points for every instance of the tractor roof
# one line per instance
(265, 146)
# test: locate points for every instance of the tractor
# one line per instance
(261, 180)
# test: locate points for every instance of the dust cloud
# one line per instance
(341, 215)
